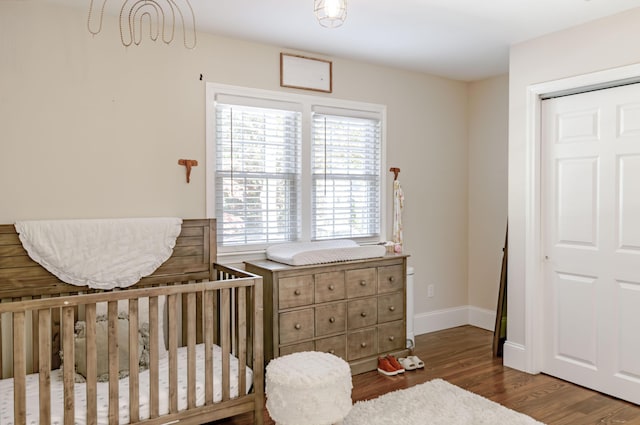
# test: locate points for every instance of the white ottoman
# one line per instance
(308, 388)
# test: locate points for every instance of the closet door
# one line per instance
(591, 239)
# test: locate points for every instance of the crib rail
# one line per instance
(226, 312)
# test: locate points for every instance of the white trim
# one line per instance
(433, 321)
(210, 151)
(453, 317)
(482, 318)
(529, 357)
(533, 258)
(595, 78)
(516, 354)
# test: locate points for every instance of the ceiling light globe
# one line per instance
(330, 13)
(332, 8)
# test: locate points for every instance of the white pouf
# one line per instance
(308, 388)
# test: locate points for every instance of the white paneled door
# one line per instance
(591, 239)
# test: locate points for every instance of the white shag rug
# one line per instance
(435, 402)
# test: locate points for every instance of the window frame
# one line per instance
(308, 104)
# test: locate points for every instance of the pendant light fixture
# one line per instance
(330, 13)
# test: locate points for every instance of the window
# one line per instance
(257, 174)
(346, 177)
(284, 167)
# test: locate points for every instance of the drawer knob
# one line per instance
(363, 345)
(363, 283)
(391, 338)
(297, 292)
(363, 314)
(392, 308)
(332, 351)
(298, 326)
(332, 287)
(391, 279)
(332, 319)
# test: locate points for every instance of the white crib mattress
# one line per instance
(305, 253)
(57, 392)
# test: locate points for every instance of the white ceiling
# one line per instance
(459, 39)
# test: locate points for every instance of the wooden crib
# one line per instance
(212, 367)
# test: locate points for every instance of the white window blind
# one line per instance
(345, 176)
(257, 174)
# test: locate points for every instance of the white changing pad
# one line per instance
(57, 391)
(304, 253)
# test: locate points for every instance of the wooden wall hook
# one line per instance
(188, 163)
(395, 172)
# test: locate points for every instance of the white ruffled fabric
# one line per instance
(100, 253)
(304, 253)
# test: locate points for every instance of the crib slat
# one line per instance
(225, 330)
(208, 346)
(216, 318)
(250, 323)
(55, 338)
(134, 397)
(92, 364)
(19, 369)
(199, 318)
(173, 353)
(68, 375)
(114, 362)
(191, 350)
(34, 341)
(44, 367)
(241, 326)
(154, 374)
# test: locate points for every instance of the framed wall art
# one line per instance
(302, 72)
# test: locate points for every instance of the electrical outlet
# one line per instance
(430, 291)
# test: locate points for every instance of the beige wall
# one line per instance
(602, 45)
(89, 128)
(488, 138)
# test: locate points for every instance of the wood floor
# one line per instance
(462, 356)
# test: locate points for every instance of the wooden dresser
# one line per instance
(355, 309)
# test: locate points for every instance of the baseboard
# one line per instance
(452, 317)
(482, 318)
(514, 356)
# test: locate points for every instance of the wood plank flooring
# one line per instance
(462, 356)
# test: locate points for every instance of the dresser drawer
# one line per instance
(329, 287)
(362, 313)
(390, 279)
(296, 326)
(390, 307)
(296, 348)
(295, 291)
(331, 319)
(334, 345)
(391, 336)
(360, 282)
(362, 344)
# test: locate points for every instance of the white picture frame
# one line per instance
(302, 72)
